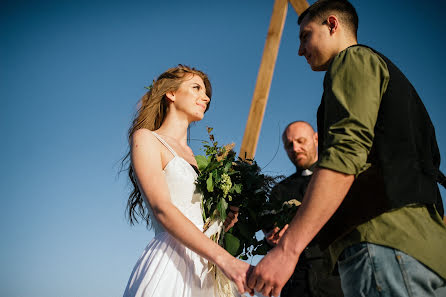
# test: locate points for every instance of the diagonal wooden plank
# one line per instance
(299, 5)
(264, 77)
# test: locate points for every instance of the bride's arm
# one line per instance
(147, 164)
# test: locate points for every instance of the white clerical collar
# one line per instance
(306, 172)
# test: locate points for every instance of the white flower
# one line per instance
(225, 184)
(291, 203)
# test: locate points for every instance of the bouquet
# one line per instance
(227, 180)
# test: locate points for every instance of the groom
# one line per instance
(373, 196)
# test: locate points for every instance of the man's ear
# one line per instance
(170, 96)
(333, 23)
(316, 138)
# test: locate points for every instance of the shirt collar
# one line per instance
(306, 172)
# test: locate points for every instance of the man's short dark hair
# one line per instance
(343, 9)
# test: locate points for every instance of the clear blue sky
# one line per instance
(71, 73)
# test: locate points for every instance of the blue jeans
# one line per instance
(372, 270)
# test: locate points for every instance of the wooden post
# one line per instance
(299, 5)
(264, 77)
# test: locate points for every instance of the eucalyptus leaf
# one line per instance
(202, 162)
(216, 176)
(232, 244)
(222, 206)
(210, 183)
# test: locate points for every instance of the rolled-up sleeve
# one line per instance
(353, 88)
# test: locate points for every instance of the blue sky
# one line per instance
(71, 73)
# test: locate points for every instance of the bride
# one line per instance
(163, 172)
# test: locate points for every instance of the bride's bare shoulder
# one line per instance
(142, 134)
(145, 138)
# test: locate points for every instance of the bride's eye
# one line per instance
(197, 87)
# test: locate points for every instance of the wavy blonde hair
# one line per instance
(152, 111)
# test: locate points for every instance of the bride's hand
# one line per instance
(238, 272)
(231, 218)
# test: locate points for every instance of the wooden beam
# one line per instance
(264, 77)
(299, 5)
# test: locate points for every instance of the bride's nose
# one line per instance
(205, 98)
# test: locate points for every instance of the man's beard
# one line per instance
(302, 162)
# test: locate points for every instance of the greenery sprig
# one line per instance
(149, 88)
(278, 213)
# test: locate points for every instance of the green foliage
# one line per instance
(278, 213)
(232, 244)
(222, 206)
(210, 183)
(225, 179)
(202, 162)
(149, 88)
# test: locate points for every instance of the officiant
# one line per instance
(311, 277)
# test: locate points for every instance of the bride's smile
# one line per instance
(190, 98)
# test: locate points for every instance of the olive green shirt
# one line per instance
(354, 86)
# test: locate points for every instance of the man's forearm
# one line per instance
(325, 192)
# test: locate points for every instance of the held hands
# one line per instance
(272, 272)
(238, 272)
(273, 236)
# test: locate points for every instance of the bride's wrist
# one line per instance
(221, 258)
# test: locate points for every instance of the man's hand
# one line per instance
(231, 218)
(272, 272)
(324, 194)
(273, 236)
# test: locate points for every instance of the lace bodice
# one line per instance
(180, 177)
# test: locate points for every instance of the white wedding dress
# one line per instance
(167, 268)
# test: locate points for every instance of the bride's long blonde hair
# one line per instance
(152, 111)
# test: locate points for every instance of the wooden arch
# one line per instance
(265, 75)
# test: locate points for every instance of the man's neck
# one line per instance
(300, 169)
(346, 44)
(343, 46)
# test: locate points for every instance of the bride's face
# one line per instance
(191, 98)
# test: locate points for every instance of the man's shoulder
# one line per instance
(356, 62)
(289, 179)
(359, 49)
(289, 183)
(357, 54)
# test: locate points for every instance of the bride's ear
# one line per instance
(170, 96)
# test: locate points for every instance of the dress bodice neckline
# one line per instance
(175, 155)
(193, 167)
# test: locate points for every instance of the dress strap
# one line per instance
(165, 143)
